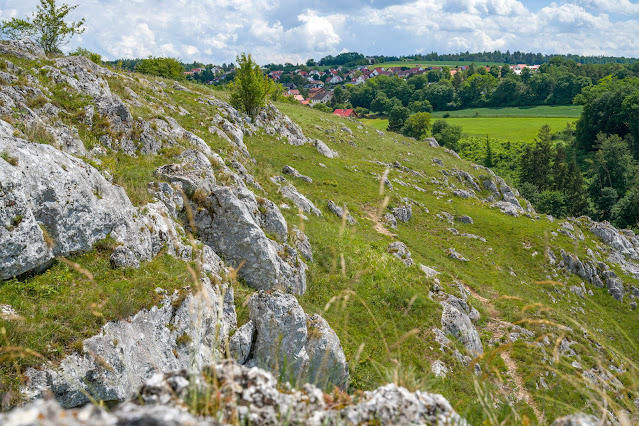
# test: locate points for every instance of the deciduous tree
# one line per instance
(47, 26)
(250, 87)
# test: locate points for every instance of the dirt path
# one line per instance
(377, 224)
(497, 328)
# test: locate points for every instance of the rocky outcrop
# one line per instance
(341, 212)
(596, 274)
(55, 204)
(22, 48)
(403, 213)
(116, 362)
(251, 396)
(400, 251)
(293, 172)
(456, 321)
(294, 345)
(229, 226)
(300, 200)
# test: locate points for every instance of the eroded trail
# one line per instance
(497, 328)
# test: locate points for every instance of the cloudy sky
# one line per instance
(215, 31)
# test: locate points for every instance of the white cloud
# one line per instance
(290, 30)
(625, 7)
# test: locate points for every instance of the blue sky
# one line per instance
(215, 31)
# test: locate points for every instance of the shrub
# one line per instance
(162, 67)
(93, 57)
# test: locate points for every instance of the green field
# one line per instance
(571, 111)
(517, 123)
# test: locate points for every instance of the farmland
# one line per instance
(519, 123)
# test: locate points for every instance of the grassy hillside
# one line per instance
(383, 311)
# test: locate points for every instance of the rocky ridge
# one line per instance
(204, 209)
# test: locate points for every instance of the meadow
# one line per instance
(514, 124)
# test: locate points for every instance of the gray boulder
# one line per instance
(432, 142)
(457, 323)
(293, 172)
(116, 362)
(23, 48)
(400, 251)
(297, 346)
(228, 226)
(300, 200)
(55, 205)
(123, 257)
(466, 219)
(323, 149)
(339, 212)
(403, 213)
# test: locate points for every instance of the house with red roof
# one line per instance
(345, 113)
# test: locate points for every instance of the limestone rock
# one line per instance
(432, 142)
(339, 212)
(293, 172)
(439, 369)
(252, 396)
(323, 149)
(56, 205)
(391, 220)
(241, 342)
(466, 219)
(456, 322)
(403, 213)
(302, 244)
(578, 419)
(451, 252)
(300, 200)
(231, 230)
(296, 345)
(123, 257)
(193, 173)
(22, 48)
(400, 251)
(117, 361)
(430, 272)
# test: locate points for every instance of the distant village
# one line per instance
(315, 86)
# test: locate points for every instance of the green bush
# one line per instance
(93, 57)
(162, 67)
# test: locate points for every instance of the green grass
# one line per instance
(512, 124)
(509, 128)
(569, 111)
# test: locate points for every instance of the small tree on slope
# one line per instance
(250, 87)
(47, 27)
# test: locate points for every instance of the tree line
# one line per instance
(557, 82)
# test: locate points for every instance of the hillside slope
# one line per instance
(124, 194)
